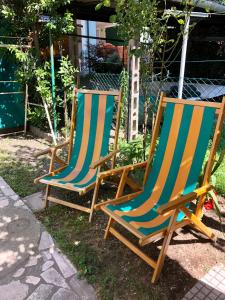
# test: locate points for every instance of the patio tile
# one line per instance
(34, 257)
(210, 287)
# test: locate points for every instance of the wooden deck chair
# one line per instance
(171, 177)
(88, 151)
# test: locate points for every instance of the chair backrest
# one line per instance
(93, 125)
(176, 162)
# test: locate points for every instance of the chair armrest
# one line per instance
(102, 160)
(51, 149)
(181, 201)
(117, 200)
(121, 169)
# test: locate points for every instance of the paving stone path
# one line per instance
(210, 287)
(31, 265)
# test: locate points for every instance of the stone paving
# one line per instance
(210, 287)
(31, 265)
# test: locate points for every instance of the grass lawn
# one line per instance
(114, 270)
(18, 166)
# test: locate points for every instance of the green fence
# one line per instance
(12, 108)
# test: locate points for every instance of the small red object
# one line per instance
(209, 204)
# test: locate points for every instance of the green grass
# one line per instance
(17, 174)
(20, 172)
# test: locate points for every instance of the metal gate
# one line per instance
(12, 106)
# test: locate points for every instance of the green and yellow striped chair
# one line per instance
(88, 151)
(171, 177)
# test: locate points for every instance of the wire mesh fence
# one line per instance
(100, 81)
(193, 89)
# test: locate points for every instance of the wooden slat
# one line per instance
(165, 245)
(60, 161)
(118, 200)
(81, 191)
(120, 170)
(117, 129)
(161, 233)
(86, 189)
(119, 220)
(209, 166)
(133, 248)
(65, 203)
(154, 137)
(104, 159)
(133, 185)
(122, 184)
(192, 102)
(202, 227)
(98, 92)
(217, 111)
(36, 180)
(73, 124)
(180, 201)
(42, 152)
(110, 222)
(50, 149)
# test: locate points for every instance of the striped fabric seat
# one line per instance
(176, 168)
(94, 119)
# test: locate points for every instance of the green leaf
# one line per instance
(98, 6)
(112, 19)
(180, 21)
(106, 3)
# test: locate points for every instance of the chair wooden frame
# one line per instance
(52, 152)
(173, 207)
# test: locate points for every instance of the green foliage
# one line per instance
(37, 118)
(145, 23)
(65, 24)
(132, 152)
(26, 14)
(124, 85)
(25, 18)
(67, 74)
(27, 64)
(43, 75)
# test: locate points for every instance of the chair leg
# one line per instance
(166, 242)
(110, 222)
(198, 223)
(95, 195)
(48, 189)
(122, 184)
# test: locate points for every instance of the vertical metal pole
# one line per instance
(88, 46)
(26, 107)
(53, 83)
(134, 68)
(183, 56)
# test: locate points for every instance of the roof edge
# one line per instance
(206, 4)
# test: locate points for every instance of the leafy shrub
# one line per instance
(132, 152)
(37, 118)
